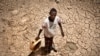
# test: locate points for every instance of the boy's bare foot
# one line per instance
(54, 49)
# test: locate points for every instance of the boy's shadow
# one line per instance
(41, 52)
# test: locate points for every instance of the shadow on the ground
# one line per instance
(41, 52)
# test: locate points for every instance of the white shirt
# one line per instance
(50, 29)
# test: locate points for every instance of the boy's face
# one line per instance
(53, 15)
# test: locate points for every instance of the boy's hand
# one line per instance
(37, 38)
(62, 33)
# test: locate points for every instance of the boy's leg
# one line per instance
(53, 47)
(48, 44)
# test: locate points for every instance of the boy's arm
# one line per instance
(41, 29)
(59, 23)
(38, 34)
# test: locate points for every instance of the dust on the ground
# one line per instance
(20, 21)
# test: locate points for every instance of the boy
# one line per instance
(49, 27)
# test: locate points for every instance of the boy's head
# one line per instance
(53, 13)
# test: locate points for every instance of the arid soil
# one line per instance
(20, 21)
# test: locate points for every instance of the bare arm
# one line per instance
(39, 32)
(59, 23)
(43, 27)
(38, 36)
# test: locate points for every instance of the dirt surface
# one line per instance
(20, 21)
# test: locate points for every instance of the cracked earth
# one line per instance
(20, 21)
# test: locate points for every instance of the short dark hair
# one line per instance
(52, 10)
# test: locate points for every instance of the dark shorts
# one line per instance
(48, 43)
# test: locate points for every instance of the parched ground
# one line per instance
(20, 21)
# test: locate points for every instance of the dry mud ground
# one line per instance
(20, 21)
